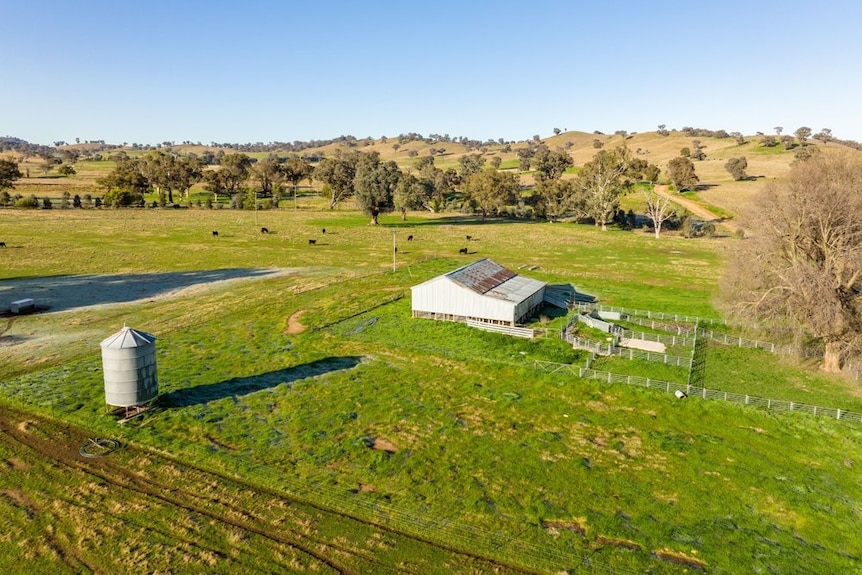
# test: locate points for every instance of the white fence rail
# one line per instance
(630, 353)
(589, 344)
(683, 340)
(641, 313)
(524, 332)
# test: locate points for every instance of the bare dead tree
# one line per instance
(803, 267)
(658, 209)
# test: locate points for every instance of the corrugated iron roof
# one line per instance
(481, 276)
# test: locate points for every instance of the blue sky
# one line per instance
(253, 70)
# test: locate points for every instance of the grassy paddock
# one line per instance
(434, 428)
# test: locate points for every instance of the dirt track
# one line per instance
(696, 209)
(169, 497)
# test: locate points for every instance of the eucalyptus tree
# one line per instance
(550, 164)
(412, 193)
(268, 173)
(9, 173)
(490, 190)
(680, 172)
(470, 164)
(295, 170)
(230, 176)
(603, 180)
(337, 174)
(126, 184)
(167, 172)
(375, 183)
(736, 167)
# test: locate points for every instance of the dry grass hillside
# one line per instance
(717, 189)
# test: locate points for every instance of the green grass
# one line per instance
(482, 443)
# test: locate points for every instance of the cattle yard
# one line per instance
(326, 421)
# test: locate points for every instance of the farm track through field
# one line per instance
(47, 440)
(695, 208)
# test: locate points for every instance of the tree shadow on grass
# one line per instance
(59, 293)
(246, 385)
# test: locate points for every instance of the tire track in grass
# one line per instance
(124, 479)
(25, 430)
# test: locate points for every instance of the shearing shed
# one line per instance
(483, 291)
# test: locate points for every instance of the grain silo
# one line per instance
(129, 363)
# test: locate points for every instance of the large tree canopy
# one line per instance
(680, 172)
(374, 185)
(603, 180)
(803, 267)
(490, 190)
(9, 172)
(337, 174)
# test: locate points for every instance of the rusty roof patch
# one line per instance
(482, 276)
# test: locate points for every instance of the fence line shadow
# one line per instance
(245, 385)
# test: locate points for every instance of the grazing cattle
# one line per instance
(215, 234)
(410, 238)
(323, 231)
(462, 251)
(2, 244)
(396, 249)
(312, 242)
(469, 238)
(264, 231)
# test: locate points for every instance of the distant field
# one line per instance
(717, 187)
(388, 439)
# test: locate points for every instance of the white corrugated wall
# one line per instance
(441, 295)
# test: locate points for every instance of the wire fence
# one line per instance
(700, 392)
(672, 323)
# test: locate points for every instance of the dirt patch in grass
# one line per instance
(18, 498)
(679, 558)
(380, 444)
(17, 464)
(602, 541)
(577, 525)
(293, 325)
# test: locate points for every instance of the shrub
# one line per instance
(28, 203)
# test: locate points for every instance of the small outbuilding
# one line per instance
(483, 291)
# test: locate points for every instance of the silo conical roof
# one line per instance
(128, 338)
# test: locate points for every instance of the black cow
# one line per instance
(410, 238)
(264, 231)
(462, 251)
(469, 238)
(2, 244)
(396, 249)
(312, 242)
(323, 231)
(215, 234)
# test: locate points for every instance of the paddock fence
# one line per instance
(671, 324)
(683, 340)
(700, 392)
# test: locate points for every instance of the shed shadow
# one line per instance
(239, 386)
